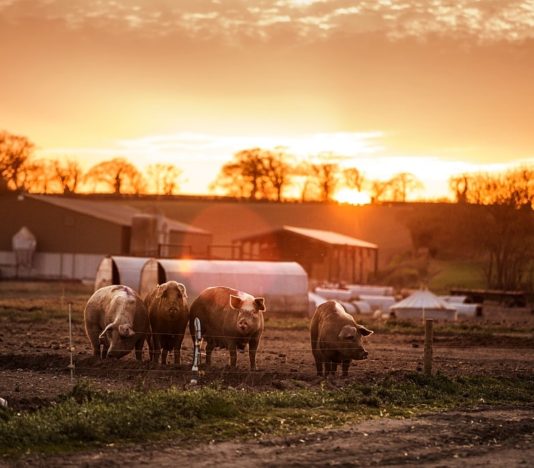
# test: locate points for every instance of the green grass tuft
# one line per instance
(87, 416)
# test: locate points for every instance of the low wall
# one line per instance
(49, 265)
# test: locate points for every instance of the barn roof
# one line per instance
(328, 237)
(112, 212)
(422, 299)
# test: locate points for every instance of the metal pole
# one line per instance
(429, 338)
(71, 348)
(196, 351)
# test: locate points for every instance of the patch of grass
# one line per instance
(87, 416)
(294, 323)
(416, 327)
(452, 274)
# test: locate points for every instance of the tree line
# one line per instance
(492, 222)
(21, 171)
(255, 174)
(262, 174)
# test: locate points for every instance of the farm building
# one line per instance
(73, 234)
(325, 255)
(423, 305)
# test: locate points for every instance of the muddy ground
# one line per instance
(34, 356)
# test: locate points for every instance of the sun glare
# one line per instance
(352, 197)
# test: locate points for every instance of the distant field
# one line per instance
(453, 274)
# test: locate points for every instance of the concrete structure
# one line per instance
(325, 255)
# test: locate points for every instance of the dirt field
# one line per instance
(34, 358)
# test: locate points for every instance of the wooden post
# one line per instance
(429, 338)
(71, 348)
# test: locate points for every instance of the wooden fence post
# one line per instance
(429, 338)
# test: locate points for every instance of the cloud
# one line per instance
(310, 20)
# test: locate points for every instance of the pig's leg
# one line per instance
(150, 341)
(156, 348)
(345, 368)
(252, 349)
(95, 342)
(327, 368)
(232, 349)
(139, 348)
(319, 366)
(318, 362)
(333, 368)
(209, 350)
(164, 352)
(105, 348)
(177, 349)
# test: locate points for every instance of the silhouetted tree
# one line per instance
(401, 184)
(459, 185)
(378, 190)
(255, 174)
(244, 175)
(279, 171)
(500, 225)
(118, 175)
(68, 175)
(15, 151)
(323, 179)
(163, 178)
(354, 179)
(36, 175)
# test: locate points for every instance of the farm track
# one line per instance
(481, 437)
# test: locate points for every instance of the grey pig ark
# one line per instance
(168, 313)
(116, 321)
(336, 338)
(229, 319)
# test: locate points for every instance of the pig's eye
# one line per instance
(350, 338)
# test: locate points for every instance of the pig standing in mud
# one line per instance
(168, 312)
(336, 338)
(229, 319)
(116, 319)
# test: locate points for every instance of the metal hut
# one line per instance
(283, 284)
(423, 305)
(120, 270)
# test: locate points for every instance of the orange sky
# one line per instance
(432, 87)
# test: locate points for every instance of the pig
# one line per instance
(336, 338)
(229, 319)
(116, 320)
(168, 312)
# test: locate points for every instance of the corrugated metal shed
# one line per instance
(120, 270)
(423, 304)
(283, 284)
(330, 237)
(111, 212)
(327, 256)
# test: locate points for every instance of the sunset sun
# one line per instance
(352, 197)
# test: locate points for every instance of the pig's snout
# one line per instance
(242, 325)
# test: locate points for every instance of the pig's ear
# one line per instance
(126, 331)
(182, 289)
(364, 331)
(235, 302)
(259, 303)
